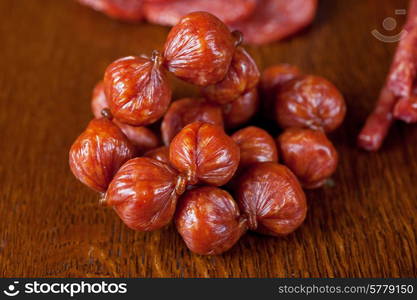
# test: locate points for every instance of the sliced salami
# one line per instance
(126, 10)
(276, 19)
(170, 12)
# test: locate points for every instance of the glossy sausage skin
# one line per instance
(272, 80)
(188, 110)
(256, 145)
(309, 155)
(141, 137)
(199, 49)
(99, 100)
(274, 77)
(241, 110)
(311, 102)
(209, 220)
(161, 154)
(242, 76)
(144, 193)
(98, 153)
(137, 90)
(272, 199)
(205, 154)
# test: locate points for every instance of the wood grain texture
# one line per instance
(53, 52)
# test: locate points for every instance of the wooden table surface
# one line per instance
(53, 52)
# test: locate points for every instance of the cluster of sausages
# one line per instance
(398, 98)
(261, 21)
(215, 186)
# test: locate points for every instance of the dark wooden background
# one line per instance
(52, 53)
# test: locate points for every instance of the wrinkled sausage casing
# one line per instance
(188, 110)
(243, 76)
(256, 145)
(144, 193)
(161, 154)
(199, 49)
(209, 220)
(272, 80)
(262, 21)
(276, 76)
(309, 155)
(241, 110)
(205, 154)
(99, 100)
(271, 197)
(170, 12)
(141, 137)
(311, 102)
(98, 153)
(273, 20)
(137, 89)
